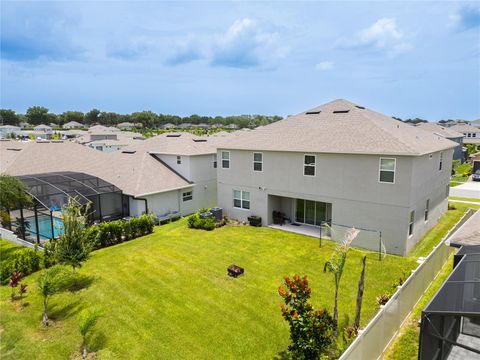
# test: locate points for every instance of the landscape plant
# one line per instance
(13, 196)
(195, 221)
(72, 248)
(23, 260)
(336, 265)
(311, 331)
(50, 282)
(87, 321)
(361, 286)
(14, 281)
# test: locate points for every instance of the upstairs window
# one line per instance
(214, 161)
(410, 224)
(387, 170)
(427, 205)
(226, 159)
(179, 160)
(241, 199)
(187, 196)
(440, 163)
(309, 165)
(257, 162)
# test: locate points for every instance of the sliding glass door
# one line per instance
(310, 212)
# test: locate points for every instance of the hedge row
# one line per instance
(23, 260)
(114, 232)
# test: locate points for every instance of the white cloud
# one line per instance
(324, 66)
(247, 44)
(384, 36)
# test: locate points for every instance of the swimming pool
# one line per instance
(45, 227)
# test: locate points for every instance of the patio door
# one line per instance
(310, 212)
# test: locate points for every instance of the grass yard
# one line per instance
(453, 198)
(6, 250)
(167, 295)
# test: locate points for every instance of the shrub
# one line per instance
(311, 331)
(91, 236)
(25, 261)
(194, 221)
(383, 299)
(49, 254)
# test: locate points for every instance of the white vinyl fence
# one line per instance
(382, 329)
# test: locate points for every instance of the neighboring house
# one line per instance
(475, 163)
(25, 125)
(471, 134)
(7, 130)
(194, 158)
(111, 145)
(475, 123)
(126, 126)
(447, 133)
(342, 164)
(43, 128)
(73, 125)
(168, 126)
(184, 126)
(108, 139)
(231, 126)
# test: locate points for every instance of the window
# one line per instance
(187, 196)
(469, 134)
(387, 170)
(309, 165)
(427, 205)
(179, 160)
(257, 162)
(440, 164)
(225, 159)
(241, 199)
(214, 161)
(474, 134)
(412, 221)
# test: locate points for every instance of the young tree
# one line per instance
(50, 282)
(361, 283)
(87, 321)
(336, 264)
(72, 248)
(13, 195)
(311, 331)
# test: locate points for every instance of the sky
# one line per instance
(404, 59)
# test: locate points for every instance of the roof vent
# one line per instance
(128, 152)
(340, 111)
(200, 140)
(360, 107)
(174, 135)
(13, 149)
(312, 112)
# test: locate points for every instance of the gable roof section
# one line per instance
(135, 174)
(464, 128)
(341, 127)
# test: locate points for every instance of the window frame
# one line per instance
(310, 165)
(440, 163)
(215, 163)
(380, 170)
(227, 160)
(185, 197)
(179, 160)
(258, 162)
(411, 223)
(241, 199)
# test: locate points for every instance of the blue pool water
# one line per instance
(45, 227)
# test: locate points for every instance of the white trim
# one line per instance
(411, 222)
(259, 162)
(394, 170)
(314, 165)
(161, 191)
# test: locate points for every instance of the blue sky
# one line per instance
(407, 59)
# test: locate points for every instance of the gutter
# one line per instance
(163, 191)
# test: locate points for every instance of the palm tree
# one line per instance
(361, 284)
(336, 265)
(87, 321)
(49, 283)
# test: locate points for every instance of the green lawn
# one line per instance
(453, 198)
(6, 250)
(167, 295)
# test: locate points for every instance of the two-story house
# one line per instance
(343, 165)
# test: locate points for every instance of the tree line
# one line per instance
(37, 115)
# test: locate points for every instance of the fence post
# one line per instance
(321, 224)
(380, 247)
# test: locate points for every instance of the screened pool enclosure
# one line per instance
(51, 191)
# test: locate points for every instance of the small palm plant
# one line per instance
(87, 321)
(13, 283)
(49, 283)
(336, 264)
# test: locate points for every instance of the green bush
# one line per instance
(25, 261)
(194, 221)
(49, 253)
